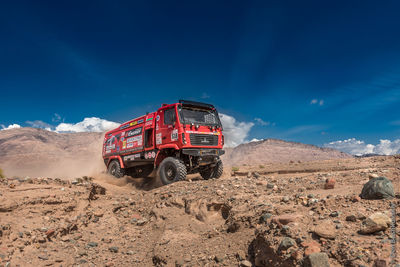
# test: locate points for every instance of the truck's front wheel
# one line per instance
(172, 170)
(114, 168)
(213, 172)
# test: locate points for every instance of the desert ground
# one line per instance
(275, 214)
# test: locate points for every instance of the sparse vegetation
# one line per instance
(1, 174)
(261, 166)
(235, 169)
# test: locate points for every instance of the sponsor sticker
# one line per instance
(158, 139)
(158, 118)
(140, 121)
(129, 145)
(134, 132)
(124, 126)
(124, 144)
(149, 119)
(134, 139)
(148, 123)
(153, 154)
(132, 157)
(174, 135)
(133, 123)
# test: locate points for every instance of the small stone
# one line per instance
(326, 229)
(375, 223)
(351, 218)
(297, 255)
(317, 260)
(312, 249)
(92, 244)
(270, 186)
(50, 233)
(330, 183)
(286, 243)
(380, 263)
(285, 218)
(334, 214)
(113, 249)
(264, 218)
(355, 199)
(245, 263)
(286, 199)
(43, 257)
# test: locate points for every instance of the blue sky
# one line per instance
(313, 71)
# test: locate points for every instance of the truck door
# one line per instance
(149, 132)
(166, 131)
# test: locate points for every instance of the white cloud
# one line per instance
(57, 118)
(317, 101)
(11, 126)
(357, 147)
(255, 140)
(92, 124)
(235, 132)
(262, 122)
(40, 124)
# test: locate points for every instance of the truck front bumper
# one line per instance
(203, 152)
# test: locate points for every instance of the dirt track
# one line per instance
(53, 222)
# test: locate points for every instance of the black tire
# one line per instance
(218, 170)
(172, 170)
(213, 172)
(114, 168)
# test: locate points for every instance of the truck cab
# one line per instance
(178, 139)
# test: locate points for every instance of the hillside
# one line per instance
(37, 152)
(278, 151)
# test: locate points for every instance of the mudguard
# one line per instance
(121, 162)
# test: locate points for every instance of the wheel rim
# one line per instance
(170, 172)
(113, 169)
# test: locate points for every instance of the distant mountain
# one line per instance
(275, 151)
(37, 152)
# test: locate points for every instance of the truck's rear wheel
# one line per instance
(114, 168)
(213, 172)
(172, 170)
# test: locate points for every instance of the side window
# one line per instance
(169, 116)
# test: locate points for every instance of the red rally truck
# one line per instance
(178, 139)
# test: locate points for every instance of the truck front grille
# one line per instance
(203, 140)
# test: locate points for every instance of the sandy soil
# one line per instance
(236, 220)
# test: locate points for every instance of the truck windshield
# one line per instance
(199, 116)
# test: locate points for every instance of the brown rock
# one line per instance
(374, 223)
(330, 183)
(380, 263)
(286, 218)
(296, 255)
(355, 199)
(311, 249)
(326, 229)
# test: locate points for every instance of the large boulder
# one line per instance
(378, 188)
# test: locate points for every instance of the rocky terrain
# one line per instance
(278, 214)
